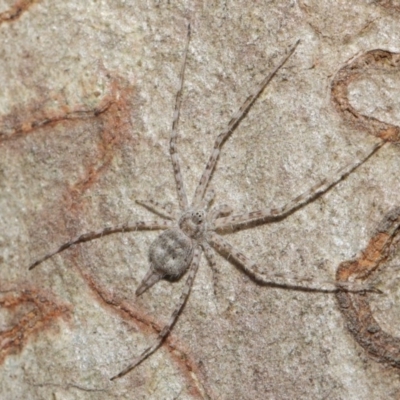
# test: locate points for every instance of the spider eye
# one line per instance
(197, 218)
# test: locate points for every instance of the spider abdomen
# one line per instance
(171, 253)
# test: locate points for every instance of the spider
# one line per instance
(195, 227)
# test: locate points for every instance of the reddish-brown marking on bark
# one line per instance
(112, 129)
(31, 311)
(355, 306)
(25, 120)
(388, 4)
(115, 129)
(149, 326)
(15, 11)
(353, 70)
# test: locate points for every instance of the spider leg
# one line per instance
(240, 221)
(233, 123)
(163, 210)
(208, 198)
(208, 251)
(137, 226)
(277, 280)
(218, 212)
(167, 328)
(183, 202)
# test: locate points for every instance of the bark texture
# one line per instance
(86, 107)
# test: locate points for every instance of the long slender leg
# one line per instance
(218, 212)
(278, 281)
(137, 226)
(208, 251)
(183, 202)
(163, 334)
(240, 221)
(208, 198)
(163, 210)
(233, 123)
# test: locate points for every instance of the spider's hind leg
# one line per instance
(278, 280)
(167, 328)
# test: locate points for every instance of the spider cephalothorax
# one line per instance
(192, 223)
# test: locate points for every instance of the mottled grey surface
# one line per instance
(73, 60)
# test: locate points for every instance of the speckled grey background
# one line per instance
(86, 105)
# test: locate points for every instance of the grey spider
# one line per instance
(177, 250)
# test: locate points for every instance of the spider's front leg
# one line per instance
(241, 221)
(232, 124)
(182, 198)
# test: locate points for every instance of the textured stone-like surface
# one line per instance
(86, 106)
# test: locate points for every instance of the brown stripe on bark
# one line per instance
(355, 307)
(32, 311)
(353, 70)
